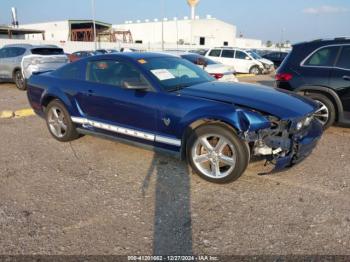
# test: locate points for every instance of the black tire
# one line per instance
(242, 151)
(324, 100)
(19, 80)
(255, 70)
(71, 132)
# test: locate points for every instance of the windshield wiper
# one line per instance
(178, 87)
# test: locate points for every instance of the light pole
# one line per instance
(163, 7)
(282, 38)
(93, 21)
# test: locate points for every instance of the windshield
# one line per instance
(254, 55)
(174, 73)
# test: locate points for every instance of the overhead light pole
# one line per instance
(93, 21)
(163, 8)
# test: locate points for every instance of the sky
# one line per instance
(297, 20)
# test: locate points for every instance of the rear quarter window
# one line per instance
(323, 57)
(215, 53)
(47, 51)
(72, 71)
(344, 58)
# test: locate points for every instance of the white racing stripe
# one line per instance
(127, 131)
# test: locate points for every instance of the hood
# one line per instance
(266, 61)
(282, 104)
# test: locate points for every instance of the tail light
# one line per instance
(283, 77)
(217, 76)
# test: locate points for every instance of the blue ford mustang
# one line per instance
(168, 103)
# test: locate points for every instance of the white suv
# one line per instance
(242, 61)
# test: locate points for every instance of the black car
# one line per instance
(320, 69)
(276, 57)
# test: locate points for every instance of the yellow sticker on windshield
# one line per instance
(142, 61)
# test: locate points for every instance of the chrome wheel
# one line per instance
(57, 122)
(322, 114)
(214, 155)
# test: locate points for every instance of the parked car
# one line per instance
(82, 54)
(43, 58)
(166, 102)
(276, 57)
(217, 70)
(241, 60)
(320, 70)
(199, 51)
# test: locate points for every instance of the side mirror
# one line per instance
(247, 58)
(135, 85)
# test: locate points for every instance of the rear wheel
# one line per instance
(216, 154)
(19, 80)
(326, 114)
(59, 122)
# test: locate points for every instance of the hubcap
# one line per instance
(214, 156)
(255, 71)
(57, 122)
(322, 114)
(19, 79)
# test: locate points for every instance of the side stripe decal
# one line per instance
(127, 131)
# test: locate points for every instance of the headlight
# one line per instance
(303, 123)
(299, 125)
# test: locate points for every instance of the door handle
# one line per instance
(90, 92)
(346, 78)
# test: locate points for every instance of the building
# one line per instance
(187, 32)
(68, 30)
(7, 32)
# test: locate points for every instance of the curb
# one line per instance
(16, 114)
(244, 75)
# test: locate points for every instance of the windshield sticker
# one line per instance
(163, 74)
(142, 61)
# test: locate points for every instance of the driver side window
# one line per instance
(115, 73)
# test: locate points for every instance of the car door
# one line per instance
(12, 60)
(227, 58)
(340, 79)
(3, 63)
(316, 68)
(105, 97)
(243, 62)
(215, 54)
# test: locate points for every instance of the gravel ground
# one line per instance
(94, 197)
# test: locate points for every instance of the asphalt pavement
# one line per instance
(94, 196)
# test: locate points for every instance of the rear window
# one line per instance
(323, 57)
(47, 51)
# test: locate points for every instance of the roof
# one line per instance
(133, 55)
(29, 46)
(19, 31)
(89, 21)
(322, 42)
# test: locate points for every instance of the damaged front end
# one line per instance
(285, 142)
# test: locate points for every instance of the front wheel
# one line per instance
(255, 70)
(216, 154)
(326, 114)
(59, 122)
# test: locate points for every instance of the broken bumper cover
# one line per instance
(301, 147)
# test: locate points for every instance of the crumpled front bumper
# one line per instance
(301, 146)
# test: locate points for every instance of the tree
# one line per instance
(269, 43)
